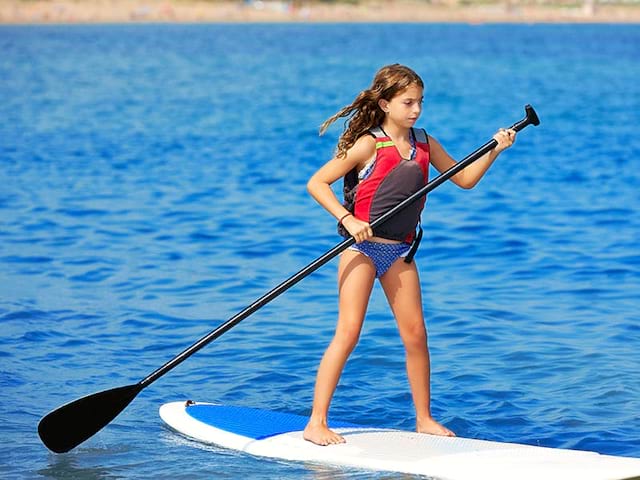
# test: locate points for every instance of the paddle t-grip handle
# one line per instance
(531, 118)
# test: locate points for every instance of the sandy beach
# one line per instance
(141, 11)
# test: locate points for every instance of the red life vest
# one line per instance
(392, 180)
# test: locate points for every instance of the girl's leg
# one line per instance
(356, 275)
(402, 288)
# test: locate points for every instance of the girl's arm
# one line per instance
(319, 185)
(471, 175)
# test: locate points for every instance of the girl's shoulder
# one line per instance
(365, 142)
(362, 151)
(432, 140)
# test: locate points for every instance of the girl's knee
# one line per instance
(346, 339)
(414, 337)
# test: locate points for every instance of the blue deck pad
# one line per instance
(252, 422)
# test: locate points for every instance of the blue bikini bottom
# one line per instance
(383, 255)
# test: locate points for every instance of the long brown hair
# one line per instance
(364, 112)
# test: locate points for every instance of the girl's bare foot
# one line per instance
(321, 435)
(429, 425)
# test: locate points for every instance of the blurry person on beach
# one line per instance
(383, 160)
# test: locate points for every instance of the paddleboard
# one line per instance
(279, 435)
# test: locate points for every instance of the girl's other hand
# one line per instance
(358, 229)
(505, 138)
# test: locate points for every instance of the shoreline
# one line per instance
(20, 12)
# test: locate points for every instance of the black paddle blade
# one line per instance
(71, 424)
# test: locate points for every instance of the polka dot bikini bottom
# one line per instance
(383, 255)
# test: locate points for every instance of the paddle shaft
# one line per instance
(531, 118)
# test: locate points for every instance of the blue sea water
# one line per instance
(152, 184)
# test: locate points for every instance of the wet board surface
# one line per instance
(279, 435)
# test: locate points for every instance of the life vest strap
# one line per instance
(414, 245)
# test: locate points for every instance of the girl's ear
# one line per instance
(384, 105)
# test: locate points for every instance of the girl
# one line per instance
(383, 160)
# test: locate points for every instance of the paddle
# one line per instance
(71, 424)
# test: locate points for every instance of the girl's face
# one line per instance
(405, 108)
